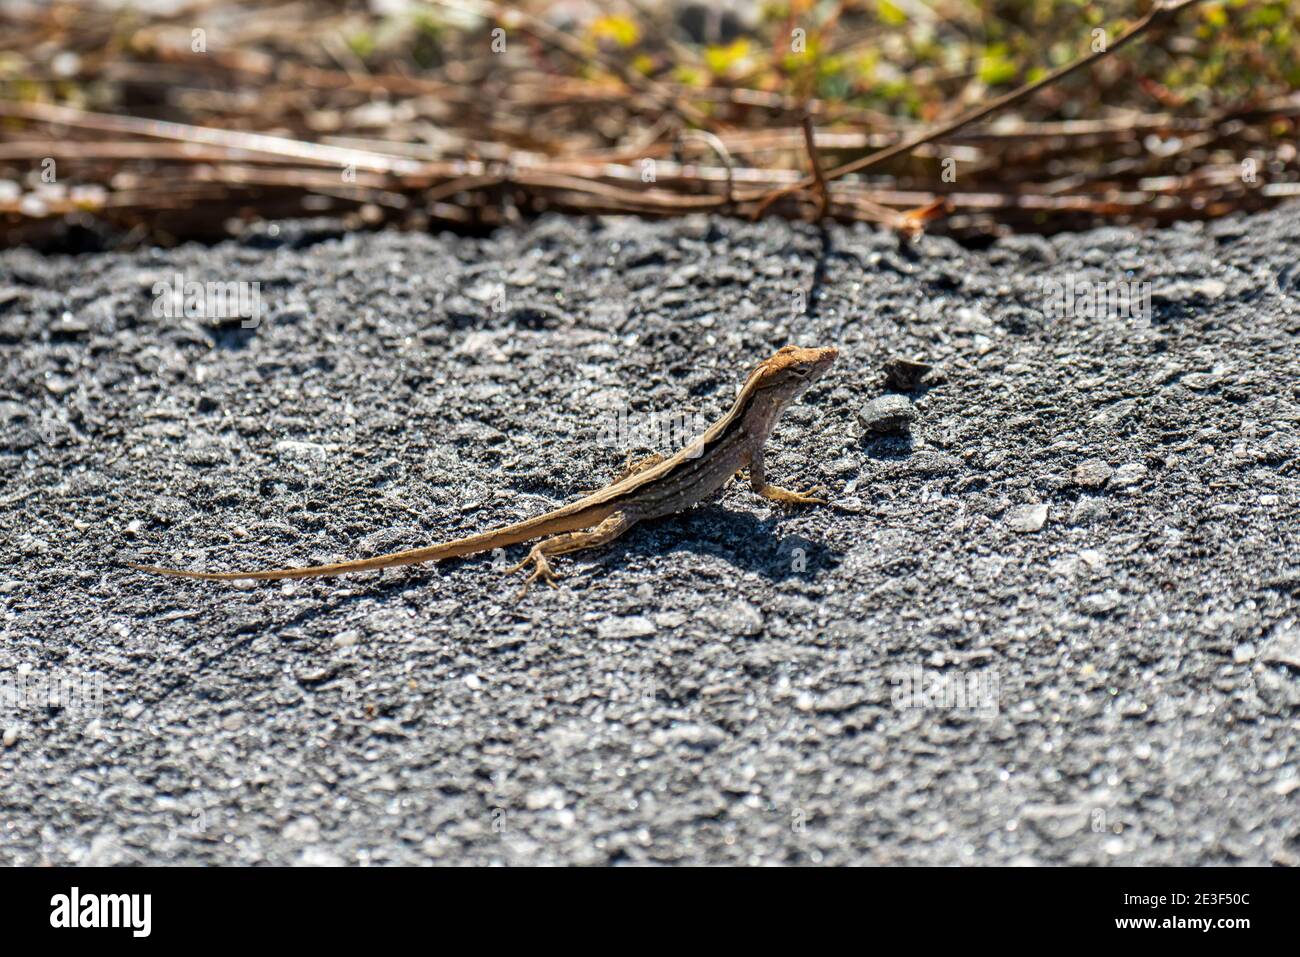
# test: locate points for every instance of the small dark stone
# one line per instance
(887, 415)
(905, 375)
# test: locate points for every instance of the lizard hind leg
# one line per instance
(609, 529)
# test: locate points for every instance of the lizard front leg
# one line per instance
(609, 529)
(631, 468)
(758, 482)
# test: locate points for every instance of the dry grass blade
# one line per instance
(299, 114)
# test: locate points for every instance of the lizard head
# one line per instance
(791, 370)
(779, 380)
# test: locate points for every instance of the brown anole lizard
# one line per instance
(655, 487)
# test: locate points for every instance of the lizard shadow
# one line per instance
(887, 448)
(743, 540)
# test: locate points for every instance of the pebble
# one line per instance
(58, 385)
(1113, 414)
(10, 737)
(1283, 648)
(629, 626)
(1180, 292)
(1094, 559)
(304, 830)
(1026, 518)
(967, 319)
(1285, 787)
(905, 375)
(68, 325)
(541, 798)
(738, 618)
(1127, 475)
(1093, 473)
(703, 736)
(1089, 510)
(1101, 603)
(291, 448)
(320, 857)
(887, 415)
(346, 639)
(1200, 381)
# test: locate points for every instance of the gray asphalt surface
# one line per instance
(1092, 528)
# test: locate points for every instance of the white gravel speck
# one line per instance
(346, 639)
(629, 626)
(1026, 518)
(303, 830)
(545, 797)
(1129, 474)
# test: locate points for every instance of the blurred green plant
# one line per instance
(912, 59)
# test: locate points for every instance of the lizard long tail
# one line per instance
(412, 557)
(510, 535)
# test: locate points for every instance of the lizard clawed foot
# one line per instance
(787, 497)
(541, 569)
